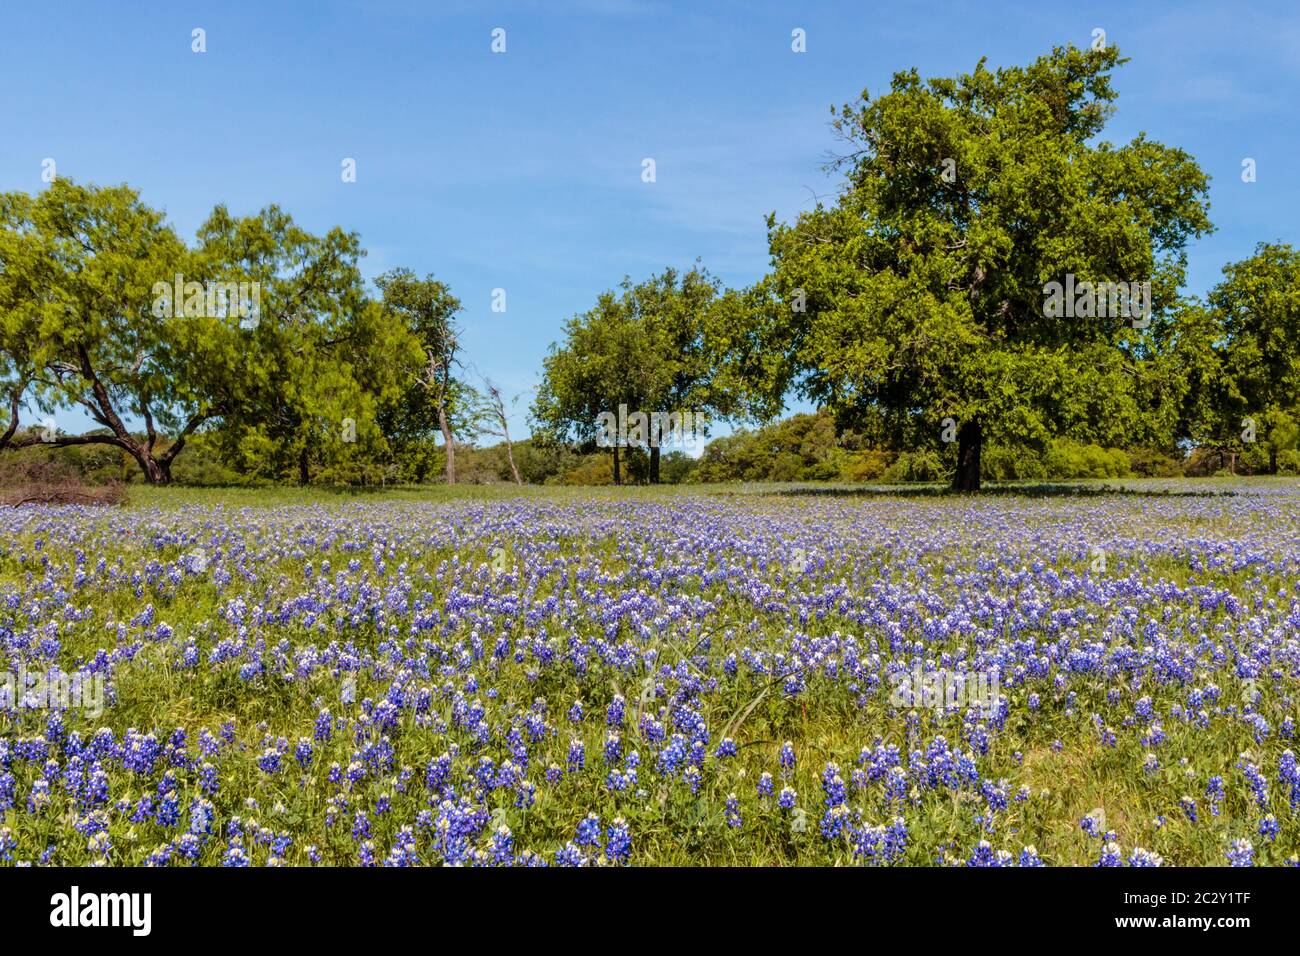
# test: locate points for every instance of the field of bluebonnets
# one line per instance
(604, 678)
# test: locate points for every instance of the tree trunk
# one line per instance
(654, 464)
(166, 458)
(104, 413)
(499, 407)
(510, 457)
(155, 472)
(152, 470)
(1272, 458)
(15, 406)
(448, 442)
(304, 468)
(969, 439)
(617, 476)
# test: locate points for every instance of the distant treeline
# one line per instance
(802, 448)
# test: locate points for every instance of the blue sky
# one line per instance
(522, 170)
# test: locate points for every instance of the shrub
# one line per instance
(594, 470)
(1011, 463)
(869, 464)
(1154, 463)
(922, 465)
(1070, 459)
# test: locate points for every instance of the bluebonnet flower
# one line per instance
(693, 777)
(324, 727)
(235, 855)
(1255, 779)
(1029, 858)
(577, 755)
(895, 841)
(168, 813)
(896, 784)
(1141, 857)
(786, 759)
(867, 842)
(731, 812)
(1288, 774)
(38, 798)
(618, 841)
(187, 846)
(1268, 827)
(503, 845)
(1214, 791)
(361, 826)
(995, 795)
(984, 856)
(833, 786)
(269, 761)
(588, 831)
(202, 815)
(1111, 855)
(569, 855)
(1241, 853)
(835, 822)
(672, 756)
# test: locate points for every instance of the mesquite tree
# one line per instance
(260, 328)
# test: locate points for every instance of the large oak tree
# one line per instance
(918, 297)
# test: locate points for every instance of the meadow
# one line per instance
(745, 675)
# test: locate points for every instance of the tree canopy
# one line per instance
(992, 276)
(259, 327)
(921, 293)
(642, 349)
